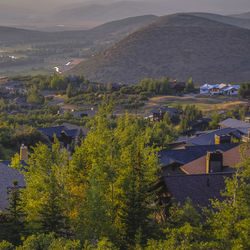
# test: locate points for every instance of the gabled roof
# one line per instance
(7, 176)
(50, 131)
(190, 153)
(199, 188)
(233, 123)
(208, 139)
(231, 158)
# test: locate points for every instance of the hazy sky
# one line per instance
(225, 6)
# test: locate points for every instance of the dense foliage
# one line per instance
(104, 196)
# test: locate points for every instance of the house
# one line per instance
(64, 134)
(231, 90)
(200, 188)
(159, 112)
(233, 123)
(177, 86)
(215, 161)
(198, 125)
(7, 176)
(226, 135)
(171, 160)
(219, 89)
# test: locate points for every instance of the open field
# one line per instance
(205, 103)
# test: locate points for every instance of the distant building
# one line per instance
(64, 134)
(159, 112)
(219, 89)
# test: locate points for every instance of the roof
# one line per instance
(199, 188)
(233, 123)
(190, 153)
(7, 176)
(208, 139)
(231, 158)
(50, 131)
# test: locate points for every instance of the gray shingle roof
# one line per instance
(232, 123)
(199, 188)
(208, 139)
(50, 131)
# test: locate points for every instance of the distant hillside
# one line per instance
(243, 15)
(9, 36)
(112, 31)
(178, 46)
(237, 21)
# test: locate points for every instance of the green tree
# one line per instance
(35, 96)
(69, 91)
(45, 195)
(14, 226)
(189, 86)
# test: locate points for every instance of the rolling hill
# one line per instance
(111, 31)
(178, 46)
(237, 21)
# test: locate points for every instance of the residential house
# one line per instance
(171, 160)
(215, 161)
(64, 134)
(219, 89)
(159, 112)
(226, 135)
(233, 123)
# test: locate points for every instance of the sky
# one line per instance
(225, 6)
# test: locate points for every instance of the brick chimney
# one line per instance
(221, 139)
(214, 162)
(23, 153)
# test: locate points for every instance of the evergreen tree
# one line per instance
(14, 225)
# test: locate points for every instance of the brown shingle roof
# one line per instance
(199, 188)
(230, 159)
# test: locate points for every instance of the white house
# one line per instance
(219, 89)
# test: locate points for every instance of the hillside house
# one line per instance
(219, 89)
(215, 161)
(159, 112)
(64, 134)
(171, 160)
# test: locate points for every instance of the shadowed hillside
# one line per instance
(177, 46)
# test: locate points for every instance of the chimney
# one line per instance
(221, 139)
(247, 119)
(24, 153)
(214, 162)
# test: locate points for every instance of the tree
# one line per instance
(215, 120)
(35, 96)
(189, 86)
(69, 91)
(14, 226)
(230, 220)
(45, 193)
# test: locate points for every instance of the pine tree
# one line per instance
(14, 225)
